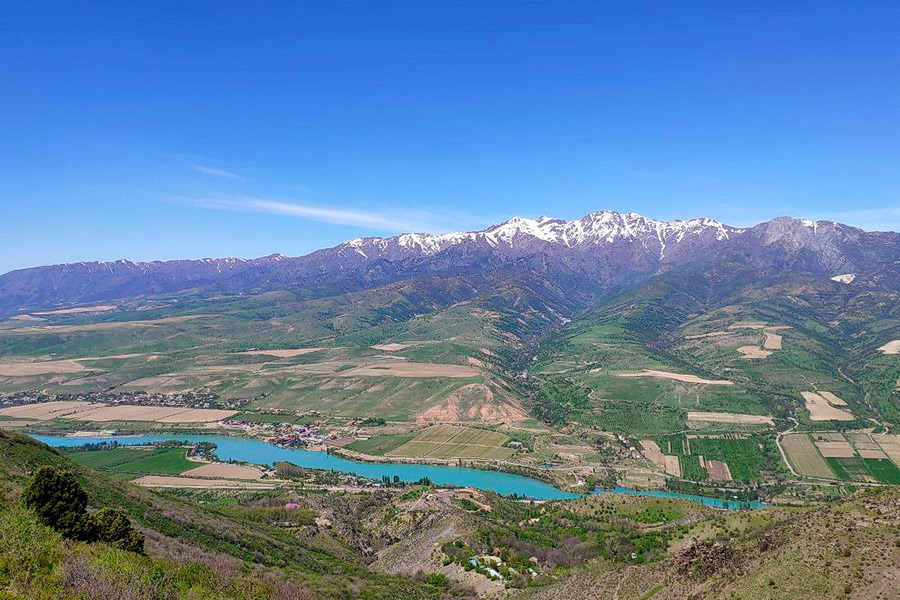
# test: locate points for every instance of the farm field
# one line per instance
(718, 417)
(677, 377)
(379, 445)
(223, 471)
(448, 441)
(851, 456)
(86, 411)
(159, 481)
(805, 457)
(820, 409)
(723, 457)
(136, 461)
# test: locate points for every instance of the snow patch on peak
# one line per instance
(598, 228)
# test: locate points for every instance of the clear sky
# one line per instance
(159, 130)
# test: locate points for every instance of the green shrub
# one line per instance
(59, 502)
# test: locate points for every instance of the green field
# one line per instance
(134, 462)
(849, 469)
(883, 470)
(447, 441)
(378, 445)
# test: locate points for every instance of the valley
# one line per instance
(461, 391)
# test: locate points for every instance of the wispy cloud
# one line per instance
(395, 221)
(215, 172)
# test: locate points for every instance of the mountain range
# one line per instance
(589, 257)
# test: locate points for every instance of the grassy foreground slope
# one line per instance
(196, 551)
(846, 550)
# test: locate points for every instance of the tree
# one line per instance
(113, 527)
(59, 502)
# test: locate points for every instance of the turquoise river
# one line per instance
(259, 452)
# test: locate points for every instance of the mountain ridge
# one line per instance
(604, 248)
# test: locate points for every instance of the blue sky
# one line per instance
(162, 130)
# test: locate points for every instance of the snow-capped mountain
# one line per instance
(526, 235)
(589, 255)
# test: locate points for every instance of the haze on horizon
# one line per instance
(153, 131)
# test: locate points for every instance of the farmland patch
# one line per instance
(676, 376)
(448, 441)
(805, 456)
(821, 410)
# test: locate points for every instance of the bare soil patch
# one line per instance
(836, 449)
(890, 444)
(677, 376)
(773, 341)
(282, 353)
(26, 318)
(754, 352)
(871, 453)
(15, 423)
(224, 471)
(748, 325)
(653, 453)
(700, 336)
(832, 399)
(199, 415)
(718, 470)
(79, 310)
(673, 465)
(395, 347)
(105, 326)
(474, 402)
(892, 347)
(161, 414)
(411, 370)
(820, 410)
(51, 367)
(723, 417)
(194, 482)
(45, 411)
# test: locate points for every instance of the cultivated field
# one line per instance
(159, 481)
(711, 334)
(723, 417)
(95, 412)
(46, 411)
(773, 341)
(890, 444)
(754, 352)
(673, 465)
(676, 376)
(805, 457)
(79, 310)
(395, 347)
(892, 347)
(653, 453)
(283, 353)
(224, 471)
(832, 399)
(748, 325)
(718, 470)
(821, 410)
(54, 367)
(51, 367)
(836, 449)
(448, 441)
(399, 368)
